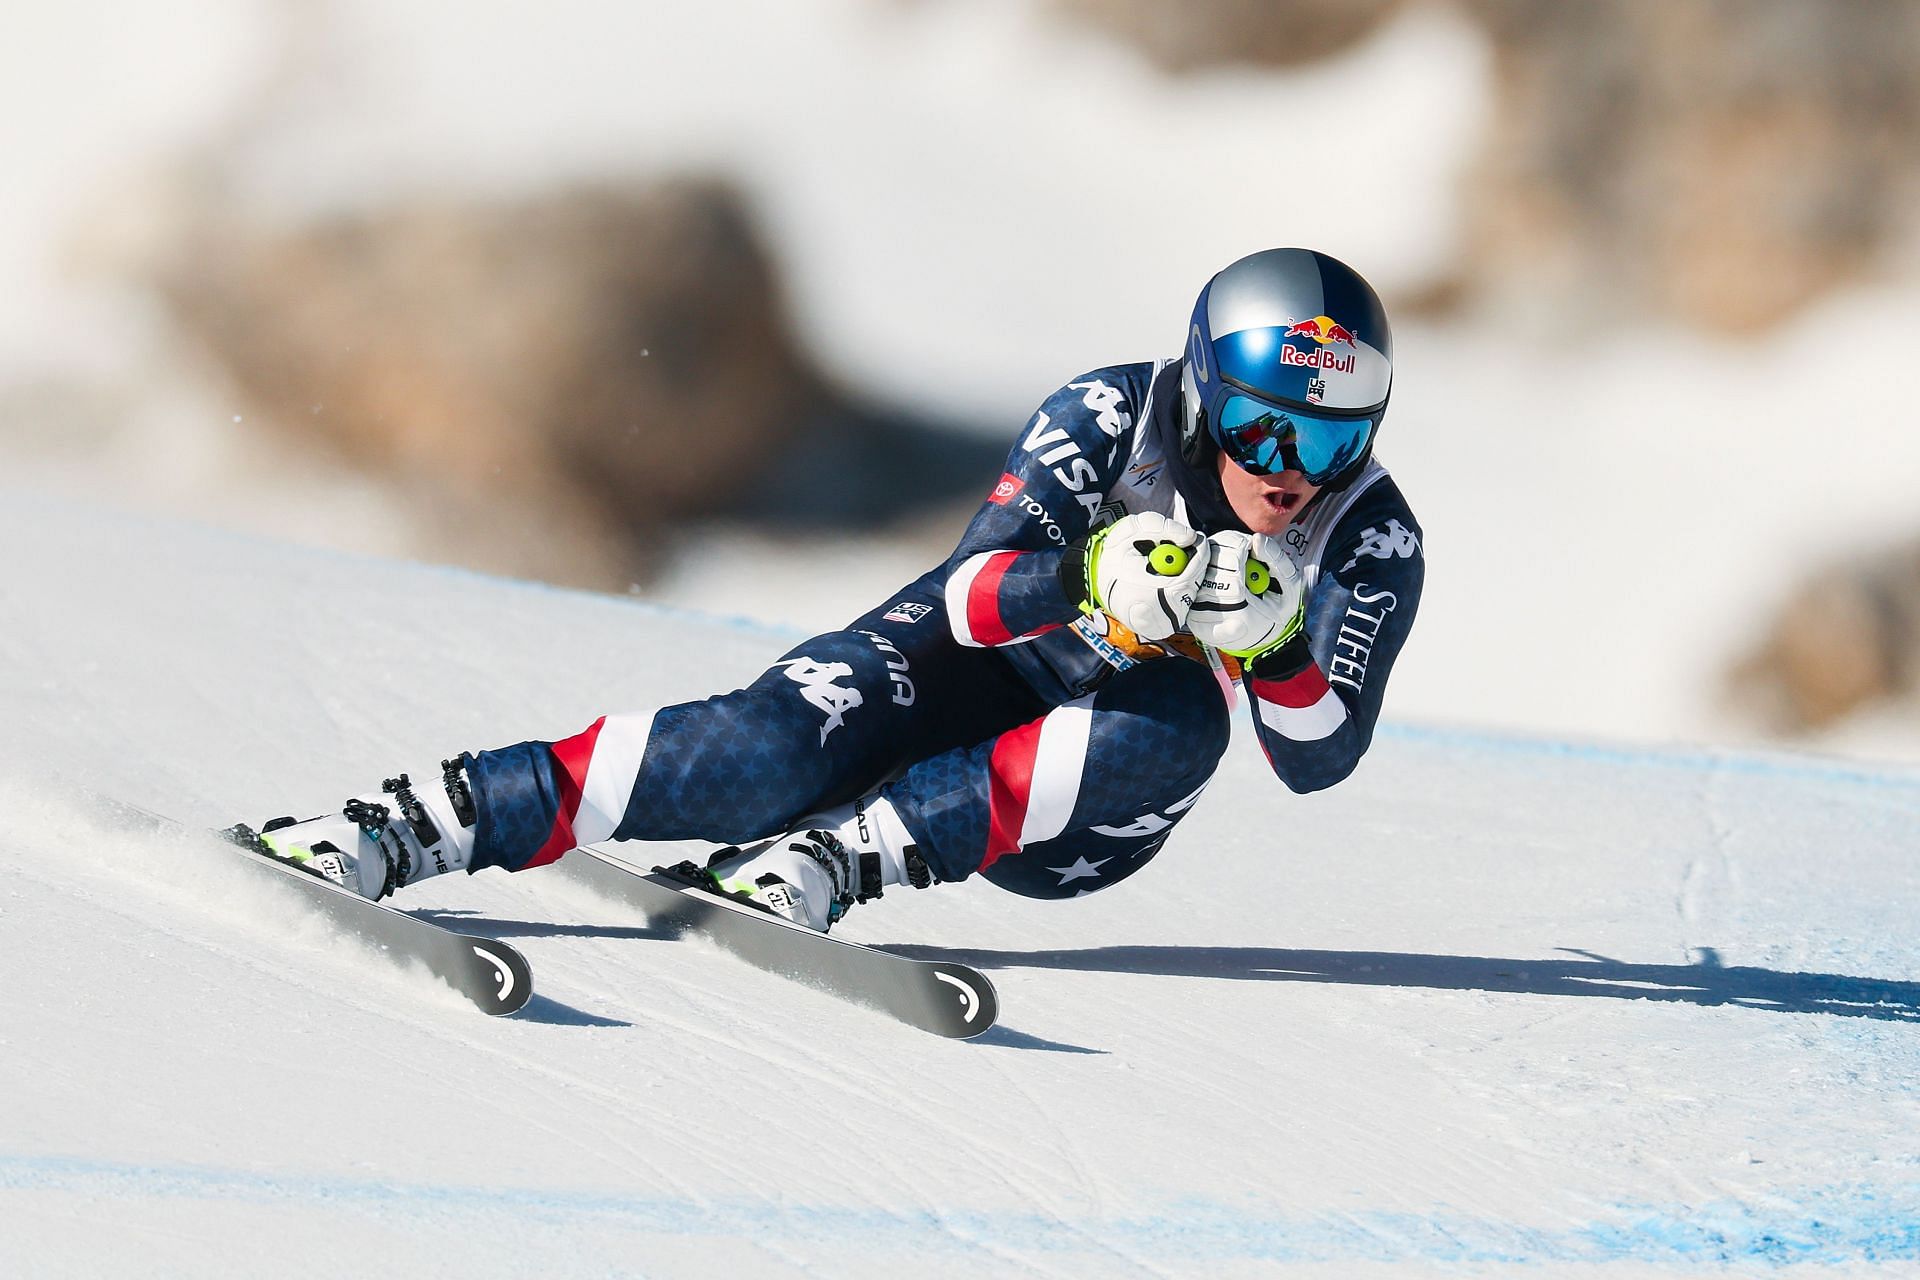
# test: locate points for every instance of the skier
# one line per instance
(1044, 707)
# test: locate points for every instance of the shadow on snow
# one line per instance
(1708, 983)
(546, 1009)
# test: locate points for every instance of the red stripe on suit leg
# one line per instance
(1009, 786)
(573, 755)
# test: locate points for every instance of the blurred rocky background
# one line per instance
(620, 297)
(1722, 162)
(553, 386)
(1845, 642)
(1726, 161)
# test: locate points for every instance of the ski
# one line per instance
(491, 973)
(948, 999)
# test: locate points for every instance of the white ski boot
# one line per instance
(825, 865)
(373, 847)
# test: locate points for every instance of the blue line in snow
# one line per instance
(1826, 1226)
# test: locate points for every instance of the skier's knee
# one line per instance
(1117, 839)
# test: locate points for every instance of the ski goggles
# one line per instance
(1266, 439)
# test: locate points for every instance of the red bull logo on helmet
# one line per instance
(1318, 359)
(1325, 332)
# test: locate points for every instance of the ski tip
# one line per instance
(975, 1004)
(502, 982)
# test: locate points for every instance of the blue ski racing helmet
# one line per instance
(1289, 364)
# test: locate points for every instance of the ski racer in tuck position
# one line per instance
(1043, 708)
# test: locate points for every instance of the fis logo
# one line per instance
(1004, 492)
(1147, 474)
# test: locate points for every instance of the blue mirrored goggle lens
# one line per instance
(1267, 439)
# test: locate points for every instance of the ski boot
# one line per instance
(828, 863)
(373, 847)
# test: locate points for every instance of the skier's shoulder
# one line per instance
(1081, 436)
(1130, 380)
(1380, 500)
(1109, 401)
(1369, 518)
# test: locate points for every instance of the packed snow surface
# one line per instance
(1494, 1005)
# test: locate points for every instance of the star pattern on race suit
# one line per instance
(738, 765)
(749, 778)
(1080, 870)
(948, 798)
(518, 796)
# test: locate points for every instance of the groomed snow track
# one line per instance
(1494, 1006)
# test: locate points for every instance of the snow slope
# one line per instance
(1494, 1006)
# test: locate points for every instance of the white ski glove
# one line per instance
(1144, 570)
(1253, 599)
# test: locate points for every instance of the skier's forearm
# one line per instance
(1003, 583)
(1309, 737)
(1005, 597)
(1315, 714)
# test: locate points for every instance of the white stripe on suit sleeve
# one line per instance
(611, 774)
(1305, 724)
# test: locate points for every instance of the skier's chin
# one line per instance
(1265, 504)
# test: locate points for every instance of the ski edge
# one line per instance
(690, 910)
(492, 974)
(500, 985)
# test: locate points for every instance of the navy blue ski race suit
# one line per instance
(1048, 749)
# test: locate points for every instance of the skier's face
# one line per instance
(1265, 504)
